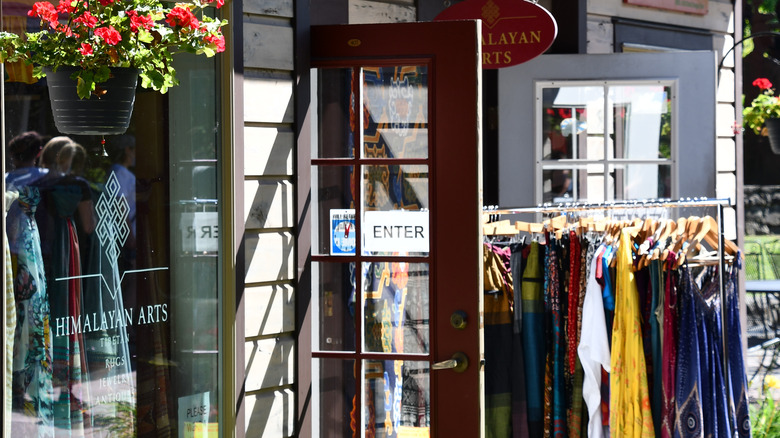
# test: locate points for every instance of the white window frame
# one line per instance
(574, 162)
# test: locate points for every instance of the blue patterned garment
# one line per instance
(736, 363)
(688, 415)
(32, 365)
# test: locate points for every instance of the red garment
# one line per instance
(574, 301)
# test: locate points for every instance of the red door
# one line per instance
(396, 261)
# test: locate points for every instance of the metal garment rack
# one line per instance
(648, 204)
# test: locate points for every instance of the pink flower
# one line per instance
(181, 16)
(762, 83)
(86, 19)
(218, 41)
(109, 35)
(139, 21)
(85, 49)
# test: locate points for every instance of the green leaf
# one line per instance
(102, 74)
(144, 36)
(84, 86)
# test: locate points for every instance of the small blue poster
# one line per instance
(342, 232)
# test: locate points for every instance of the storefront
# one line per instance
(212, 287)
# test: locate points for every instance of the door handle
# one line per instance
(458, 363)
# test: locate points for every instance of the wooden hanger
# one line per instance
(529, 227)
(500, 228)
(711, 237)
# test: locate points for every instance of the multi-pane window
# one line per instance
(603, 141)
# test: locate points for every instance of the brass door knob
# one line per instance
(458, 363)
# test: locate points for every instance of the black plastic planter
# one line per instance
(773, 132)
(108, 115)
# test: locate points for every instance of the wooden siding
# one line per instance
(269, 219)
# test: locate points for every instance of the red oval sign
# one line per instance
(513, 31)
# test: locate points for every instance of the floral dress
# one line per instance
(32, 391)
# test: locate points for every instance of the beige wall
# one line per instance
(269, 218)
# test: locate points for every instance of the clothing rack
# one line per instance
(718, 203)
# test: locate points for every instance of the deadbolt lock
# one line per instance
(458, 319)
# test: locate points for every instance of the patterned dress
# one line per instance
(10, 325)
(32, 365)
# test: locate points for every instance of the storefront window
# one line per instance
(605, 141)
(112, 287)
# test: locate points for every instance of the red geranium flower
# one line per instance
(217, 40)
(85, 49)
(66, 30)
(139, 21)
(181, 16)
(45, 11)
(86, 19)
(109, 35)
(105, 2)
(65, 7)
(762, 83)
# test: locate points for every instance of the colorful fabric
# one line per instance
(740, 416)
(630, 414)
(498, 341)
(519, 397)
(533, 337)
(10, 323)
(669, 350)
(656, 394)
(688, 414)
(559, 399)
(70, 374)
(548, 336)
(32, 364)
(576, 298)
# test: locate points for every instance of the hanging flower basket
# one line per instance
(773, 132)
(106, 112)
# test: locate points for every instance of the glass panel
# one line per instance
(567, 131)
(396, 306)
(337, 118)
(641, 121)
(335, 308)
(117, 290)
(336, 398)
(395, 210)
(640, 181)
(398, 397)
(395, 102)
(333, 230)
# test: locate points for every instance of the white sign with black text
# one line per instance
(396, 231)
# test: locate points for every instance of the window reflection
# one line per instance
(607, 141)
(112, 257)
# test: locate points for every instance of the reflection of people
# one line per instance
(23, 150)
(66, 216)
(31, 390)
